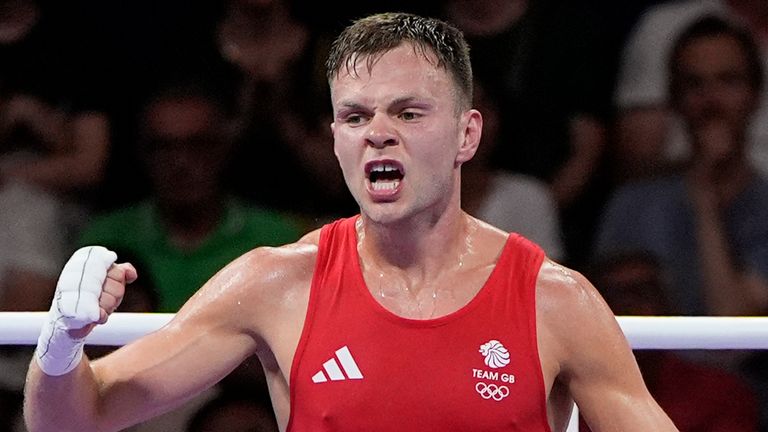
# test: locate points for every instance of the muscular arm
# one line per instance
(213, 333)
(592, 358)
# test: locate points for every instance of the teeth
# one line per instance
(383, 168)
(385, 185)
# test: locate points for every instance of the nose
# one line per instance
(381, 132)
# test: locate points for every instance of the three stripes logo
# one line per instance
(333, 371)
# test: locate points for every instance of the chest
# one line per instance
(358, 366)
(462, 380)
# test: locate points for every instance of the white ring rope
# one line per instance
(23, 328)
(696, 332)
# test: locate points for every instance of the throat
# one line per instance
(426, 299)
(399, 297)
(424, 281)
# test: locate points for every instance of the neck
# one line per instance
(416, 251)
(412, 270)
(189, 226)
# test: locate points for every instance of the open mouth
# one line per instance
(384, 176)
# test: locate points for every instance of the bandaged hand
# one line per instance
(89, 289)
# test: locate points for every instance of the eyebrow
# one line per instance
(404, 100)
(351, 105)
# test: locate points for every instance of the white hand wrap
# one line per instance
(75, 305)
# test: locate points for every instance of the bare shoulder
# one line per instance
(264, 281)
(585, 355)
(571, 314)
(559, 289)
(271, 267)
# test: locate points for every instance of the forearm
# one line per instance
(63, 403)
(60, 172)
(80, 166)
(587, 140)
(725, 287)
(62, 392)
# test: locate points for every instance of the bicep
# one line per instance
(606, 385)
(598, 366)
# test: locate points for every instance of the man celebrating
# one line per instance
(411, 316)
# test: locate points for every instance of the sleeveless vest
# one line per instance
(360, 367)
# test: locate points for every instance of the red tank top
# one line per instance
(359, 367)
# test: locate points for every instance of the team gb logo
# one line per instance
(496, 355)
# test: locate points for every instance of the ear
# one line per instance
(471, 124)
(333, 134)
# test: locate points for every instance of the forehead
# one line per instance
(177, 117)
(713, 53)
(404, 69)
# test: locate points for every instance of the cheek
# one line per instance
(446, 149)
(743, 101)
(346, 153)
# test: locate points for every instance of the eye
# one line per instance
(409, 115)
(733, 78)
(691, 82)
(354, 119)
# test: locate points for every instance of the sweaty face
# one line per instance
(715, 85)
(398, 137)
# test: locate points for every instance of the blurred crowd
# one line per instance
(629, 139)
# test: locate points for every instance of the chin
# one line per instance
(382, 213)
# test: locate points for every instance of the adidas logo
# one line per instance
(334, 372)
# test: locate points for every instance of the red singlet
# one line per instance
(359, 367)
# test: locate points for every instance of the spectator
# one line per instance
(42, 139)
(697, 398)
(37, 214)
(116, 54)
(548, 87)
(513, 202)
(651, 137)
(707, 224)
(73, 133)
(283, 118)
(32, 246)
(190, 226)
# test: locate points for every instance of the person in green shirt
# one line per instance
(189, 227)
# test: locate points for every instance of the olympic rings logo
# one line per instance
(492, 391)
